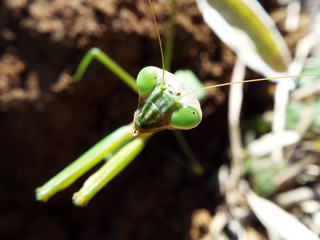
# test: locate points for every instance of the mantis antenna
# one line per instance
(252, 80)
(158, 36)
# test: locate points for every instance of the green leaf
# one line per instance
(249, 31)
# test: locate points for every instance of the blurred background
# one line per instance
(45, 124)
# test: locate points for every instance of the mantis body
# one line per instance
(165, 102)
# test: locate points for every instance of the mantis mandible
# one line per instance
(165, 102)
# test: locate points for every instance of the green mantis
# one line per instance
(165, 102)
(153, 85)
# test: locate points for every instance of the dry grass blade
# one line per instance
(295, 196)
(277, 220)
(217, 224)
(268, 142)
(235, 103)
(309, 90)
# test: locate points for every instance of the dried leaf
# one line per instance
(276, 220)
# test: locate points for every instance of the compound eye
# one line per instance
(147, 80)
(185, 118)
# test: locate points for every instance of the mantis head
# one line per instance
(164, 103)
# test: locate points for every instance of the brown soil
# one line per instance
(45, 124)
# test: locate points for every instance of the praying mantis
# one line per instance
(165, 102)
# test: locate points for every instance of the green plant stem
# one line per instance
(171, 35)
(195, 166)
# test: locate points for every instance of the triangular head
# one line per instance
(165, 102)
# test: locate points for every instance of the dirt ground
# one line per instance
(44, 124)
